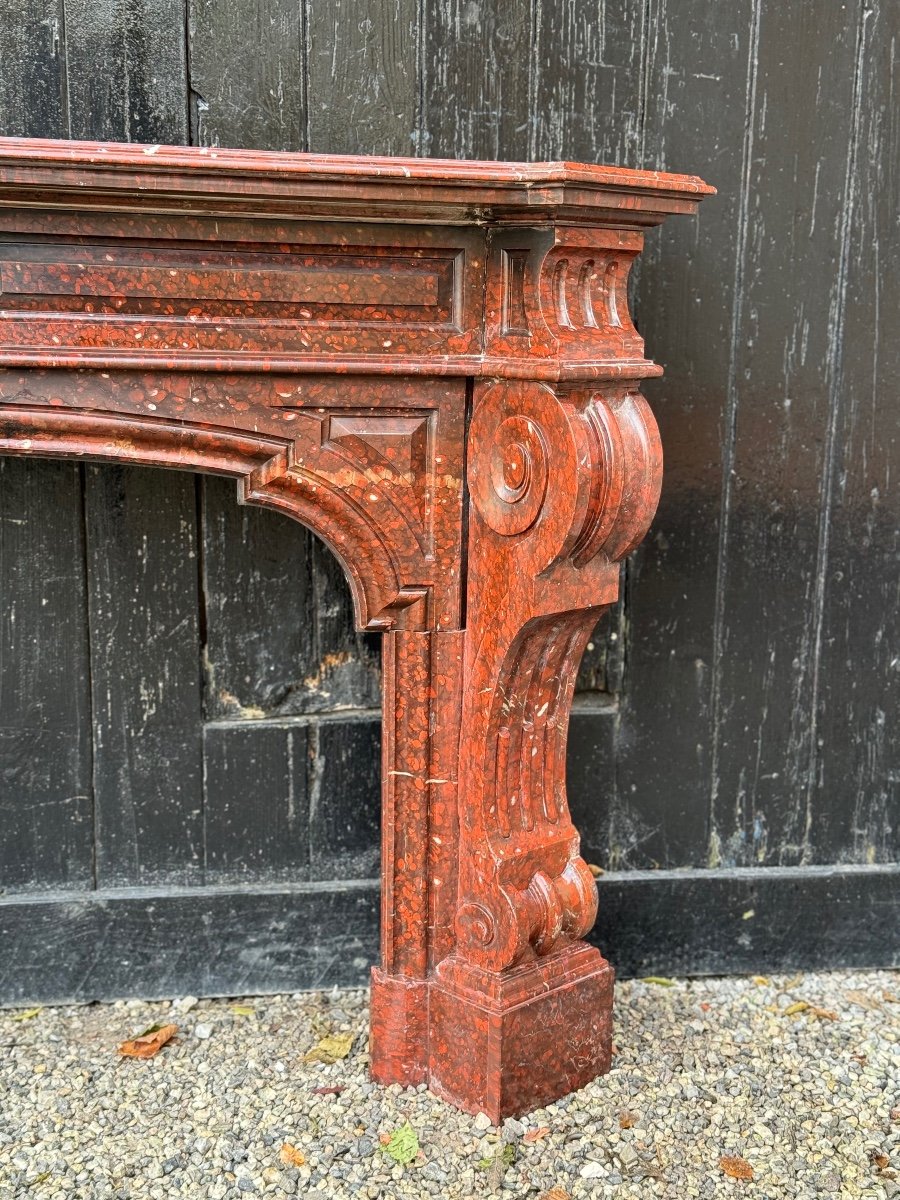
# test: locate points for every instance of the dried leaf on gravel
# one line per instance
(734, 1167)
(149, 1043)
(535, 1135)
(762, 980)
(331, 1048)
(628, 1119)
(28, 1015)
(555, 1193)
(243, 1010)
(403, 1144)
(327, 1091)
(659, 980)
(881, 1161)
(291, 1156)
(864, 1000)
(823, 1014)
(804, 1006)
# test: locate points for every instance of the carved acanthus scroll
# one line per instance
(545, 550)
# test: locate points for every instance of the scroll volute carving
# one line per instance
(546, 561)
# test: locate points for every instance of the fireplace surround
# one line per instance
(431, 364)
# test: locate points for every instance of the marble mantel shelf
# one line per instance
(431, 364)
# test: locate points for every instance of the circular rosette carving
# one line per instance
(519, 434)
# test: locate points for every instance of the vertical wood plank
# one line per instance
(32, 69)
(46, 836)
(144, 604)
(256, 808)
(773, 546)
(590, 781)
(362, 58)
(477, 79)
(126, 80)
(126, 70)
(855, 806)
(345, 798)
(588, 86)
(701, 61)
(247, 74)
(46, 833)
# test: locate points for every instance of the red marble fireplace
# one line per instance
(432, 366)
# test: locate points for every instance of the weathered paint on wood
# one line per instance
(279, 636)
(697, 69)
(476, 79)
(126, 70)
(46, 794)
(143, 616)
(277, 938)
(345, 796)
(854, 775)
(772, 547)
(33, 100)
(723, 921)
(247, 75)
(587, 81)
(265, 937)
(362, 80)
(267, 839)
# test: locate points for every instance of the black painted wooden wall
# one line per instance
(188, 723)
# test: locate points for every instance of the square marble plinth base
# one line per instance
(498, 1044)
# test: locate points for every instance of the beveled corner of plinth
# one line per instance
(506, 1044)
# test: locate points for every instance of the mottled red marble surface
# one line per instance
(432, 365)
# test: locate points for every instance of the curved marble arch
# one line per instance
(266, 473)
(432, 366)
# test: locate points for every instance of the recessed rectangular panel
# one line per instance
(173, 281)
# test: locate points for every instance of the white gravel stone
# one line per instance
(592, 1170)
(703, 1069)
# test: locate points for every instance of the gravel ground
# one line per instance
(735, 1069)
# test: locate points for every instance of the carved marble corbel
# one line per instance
(563, 483)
